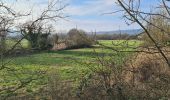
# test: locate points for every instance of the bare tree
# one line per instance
(8, 19)
(34, 29)
(145, 74)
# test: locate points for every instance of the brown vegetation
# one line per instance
(78, 39)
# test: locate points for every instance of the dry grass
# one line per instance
(149, 75)
(145, 76)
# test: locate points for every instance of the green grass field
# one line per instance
(70, 65)
(24, 43)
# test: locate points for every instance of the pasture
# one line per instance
(68, 65)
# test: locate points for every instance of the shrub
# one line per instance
(149, 76)
(159, 30)
(78, 39)
(37, 37)
(144, 76)
(115, 36)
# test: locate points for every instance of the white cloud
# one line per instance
(87, 10)
(35, 7)
(90, 7)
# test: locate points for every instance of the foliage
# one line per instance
(115, 36)
(55, 38)
(36, 37)
(159, 30)
(142, 76)
(78, 38)
(20, 79)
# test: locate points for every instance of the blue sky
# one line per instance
(88, 14)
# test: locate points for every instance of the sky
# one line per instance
(88, 15)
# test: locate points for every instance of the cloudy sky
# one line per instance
(85, 14)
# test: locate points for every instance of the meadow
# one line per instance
(68, 65)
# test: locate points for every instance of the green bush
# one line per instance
(38, 39)
(78, 39)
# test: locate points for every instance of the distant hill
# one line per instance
(132, 32)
